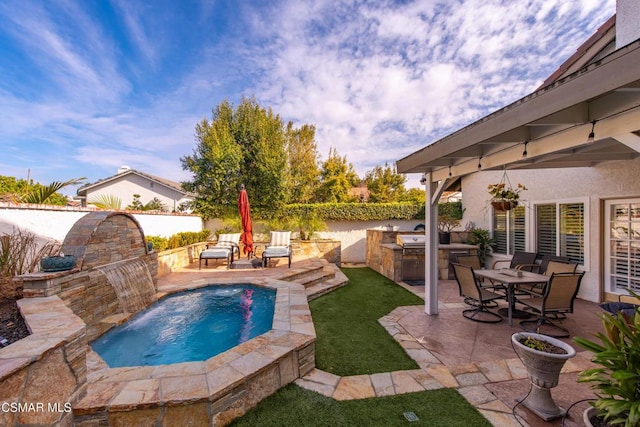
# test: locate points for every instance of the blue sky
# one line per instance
(88, 86)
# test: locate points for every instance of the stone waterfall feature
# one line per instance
(114, 276)
(132, 283)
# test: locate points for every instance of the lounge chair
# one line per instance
(225, 248)
(279, 247)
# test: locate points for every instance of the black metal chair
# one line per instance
(471, 289)
(520, 258)
(556, 300)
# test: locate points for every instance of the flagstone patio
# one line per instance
(451, 351)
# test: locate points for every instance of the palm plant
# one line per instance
(106, 201)
(40, 194)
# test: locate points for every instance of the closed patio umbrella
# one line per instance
(245, 216)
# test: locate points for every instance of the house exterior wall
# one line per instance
(627, 22)
(615, 180)
(128, 184)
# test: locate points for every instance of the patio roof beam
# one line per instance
(622, 124)
(630, 139)
(615, 72)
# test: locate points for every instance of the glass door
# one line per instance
(622, 234)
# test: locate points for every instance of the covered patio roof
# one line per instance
(551, 124)
(550, 128)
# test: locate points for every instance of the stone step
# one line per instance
(296, 273)
(315, 277)
(339, 280)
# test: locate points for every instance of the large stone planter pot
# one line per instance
(544, 371)
(57, 263)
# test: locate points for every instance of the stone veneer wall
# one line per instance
(104, 237)
(98, 238)
(47, 368)
(172, 259)
(387, 258)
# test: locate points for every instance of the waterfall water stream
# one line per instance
(132, 283)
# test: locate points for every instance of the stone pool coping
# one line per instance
(128, 388)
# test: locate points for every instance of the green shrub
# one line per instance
(355, 211)
(178, 240)
(159, 243)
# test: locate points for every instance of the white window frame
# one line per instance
(608, 286)
(508, 230)
(532, 231)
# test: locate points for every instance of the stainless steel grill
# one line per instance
(410, 241)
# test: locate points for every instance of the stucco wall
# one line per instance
(627, 22)
(591, 185)
(351, 234)
(49, 222)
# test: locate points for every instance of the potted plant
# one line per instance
(543, 357)
(616, 381)
(449, 216)
(482, 238)
(504, 197)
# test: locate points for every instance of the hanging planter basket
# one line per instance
(504, 205)
(504, 196)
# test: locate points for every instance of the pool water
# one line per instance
(189, 326)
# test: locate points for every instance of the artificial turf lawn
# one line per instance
(350, 341)
(294, 406)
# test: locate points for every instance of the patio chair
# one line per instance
(542, 264)
(556, 300)
(519, 258)
(224, 249)
(470, 288)
(279, 247)
(473, 261)
(552, 265)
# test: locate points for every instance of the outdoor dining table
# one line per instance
(511, 278)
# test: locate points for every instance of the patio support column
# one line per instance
(431, 247)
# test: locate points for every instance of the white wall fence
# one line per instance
(54, 222)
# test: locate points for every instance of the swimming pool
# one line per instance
(189, 326)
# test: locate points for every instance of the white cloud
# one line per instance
(379, 79)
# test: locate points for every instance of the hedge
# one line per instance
(178, 240)
(367, 211)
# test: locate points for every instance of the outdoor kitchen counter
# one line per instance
(402, 264)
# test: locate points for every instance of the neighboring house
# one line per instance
(583, 197)
(128, 182)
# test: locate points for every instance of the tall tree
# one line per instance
(337, 177)
(245, 145)
(384, 184)
(215, 164)
(303, 172)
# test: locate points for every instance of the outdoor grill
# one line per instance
(412, 257)
(410, 241)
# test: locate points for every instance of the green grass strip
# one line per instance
(294, 406)
(350, 341)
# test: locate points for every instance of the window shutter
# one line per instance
(516, 229)
(624, 254)
(572, 231)
(546, 229)
(500, 231)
